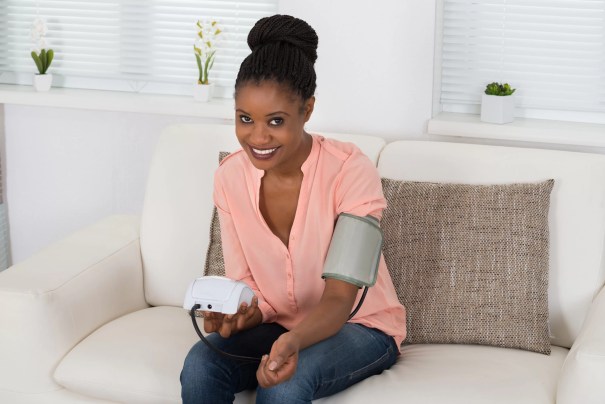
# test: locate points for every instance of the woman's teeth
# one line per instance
(265, 151)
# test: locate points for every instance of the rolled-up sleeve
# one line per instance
(359, 190)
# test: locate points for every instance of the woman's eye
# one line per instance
(245, 119)
(276, 121)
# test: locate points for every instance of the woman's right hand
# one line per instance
(229, 324)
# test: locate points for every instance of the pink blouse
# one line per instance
(337, 178)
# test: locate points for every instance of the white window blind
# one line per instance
(127, 45)
(552, 51)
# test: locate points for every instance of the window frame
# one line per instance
(22, 72)
(474, 109)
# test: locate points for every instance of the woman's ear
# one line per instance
(308, 107)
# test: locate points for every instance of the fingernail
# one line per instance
(273, 365)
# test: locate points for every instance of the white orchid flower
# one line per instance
(37, 34)
(39, 29)
(204, 47)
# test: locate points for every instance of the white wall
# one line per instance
(68, 168)
(374, 66)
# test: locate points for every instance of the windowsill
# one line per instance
(522, 129)
(179, 105)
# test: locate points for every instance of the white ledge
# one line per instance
(179, 105)
(521, 129)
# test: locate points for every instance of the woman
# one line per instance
(278, 200)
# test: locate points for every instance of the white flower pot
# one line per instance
(42, 82)
(202, 92)
(497, 108)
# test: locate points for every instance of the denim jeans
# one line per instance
(353, 354)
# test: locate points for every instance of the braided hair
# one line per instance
(284, 49)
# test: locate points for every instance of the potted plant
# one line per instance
(204, 49)
(497, 103)
(42, 56)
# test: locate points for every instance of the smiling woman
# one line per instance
(278, 200)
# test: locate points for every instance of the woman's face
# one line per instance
(269, 124)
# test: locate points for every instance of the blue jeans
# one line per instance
(353, 354)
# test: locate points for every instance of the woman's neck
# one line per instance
(292, 171)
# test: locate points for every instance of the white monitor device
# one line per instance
(217, 294)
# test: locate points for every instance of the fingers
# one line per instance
(269, 378)
(212, 321)
(249, 310)
(246, 314)
(218, 322)
(261, 375)
(280, 364)
(275, 363)
(229, 324)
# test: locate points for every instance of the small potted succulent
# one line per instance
(497, 103)
(42, 55)
(204, 49)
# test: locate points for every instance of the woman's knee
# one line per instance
(206, 377)
(197, 365)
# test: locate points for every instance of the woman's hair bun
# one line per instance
(284, 28)
(284, 49)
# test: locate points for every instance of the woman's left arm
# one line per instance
(324, 321)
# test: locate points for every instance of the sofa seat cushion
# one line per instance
(461, 374)
(138, 359)
(135, 359)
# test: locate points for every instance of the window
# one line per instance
(127, 45)
(552, 51)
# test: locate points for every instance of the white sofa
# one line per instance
(96, 317)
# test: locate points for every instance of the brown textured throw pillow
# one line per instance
(215, 263)
(470, 262)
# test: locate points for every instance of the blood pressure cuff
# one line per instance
(354, 252)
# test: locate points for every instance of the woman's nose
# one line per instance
(259, 135)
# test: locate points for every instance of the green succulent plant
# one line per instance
(499, 89)
(43, 60)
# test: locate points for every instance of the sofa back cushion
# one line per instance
(175, 224)
(178, 207)
(470, 262)
(576, 217)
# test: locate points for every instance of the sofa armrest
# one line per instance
(583, 373)
(51, 301)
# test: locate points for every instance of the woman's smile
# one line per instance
(263, 153)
